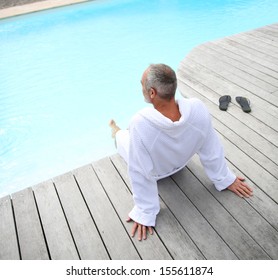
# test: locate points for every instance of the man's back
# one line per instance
(170, 145)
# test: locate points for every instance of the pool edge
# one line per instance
(36, 7)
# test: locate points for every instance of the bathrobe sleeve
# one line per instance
(213, 160)
(144, 186)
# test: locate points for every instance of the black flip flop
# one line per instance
(244, 103)
(224, 102)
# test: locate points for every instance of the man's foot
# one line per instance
(114, 128)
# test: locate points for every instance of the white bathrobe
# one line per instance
(154, 147)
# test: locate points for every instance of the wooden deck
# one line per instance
(81, 214)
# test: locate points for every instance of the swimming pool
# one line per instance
(65, 72)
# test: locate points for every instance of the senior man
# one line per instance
(162, 139)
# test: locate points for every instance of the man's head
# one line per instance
(160, 80)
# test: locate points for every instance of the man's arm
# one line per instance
(212, 158)
(144, 187)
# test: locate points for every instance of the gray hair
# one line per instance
(162, 78)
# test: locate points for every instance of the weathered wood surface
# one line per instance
(30, 233)
(8, 237)
(82, 214)
(58, 235)
(82, 225)
(118, 243)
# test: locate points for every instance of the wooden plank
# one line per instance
(84, 231)
(269, 32)
(249, 218)
(121, 199)
(262, 59)
(174, 236)
(168, 228)
(261, 37)
(272, 27)
(275, 93)
(256, 44)
(243, 145)
(244, 64)
(261, 177)
(241, 71)
(114, 235)
(262, 34)
(246, 55)
(30, 234)
(227, 71)
(198, 228)
(188, 74)
(8, 242)
(57, 233)
(275, 26)
(232, 53)
(226, 226)
(269, 27)
(267, 59)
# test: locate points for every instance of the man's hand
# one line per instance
(142, 230)
(240, 188)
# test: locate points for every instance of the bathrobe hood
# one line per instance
(163, 123)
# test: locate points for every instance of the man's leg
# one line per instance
(114, 128)
(121, 137)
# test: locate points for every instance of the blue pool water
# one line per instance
(65, 72)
